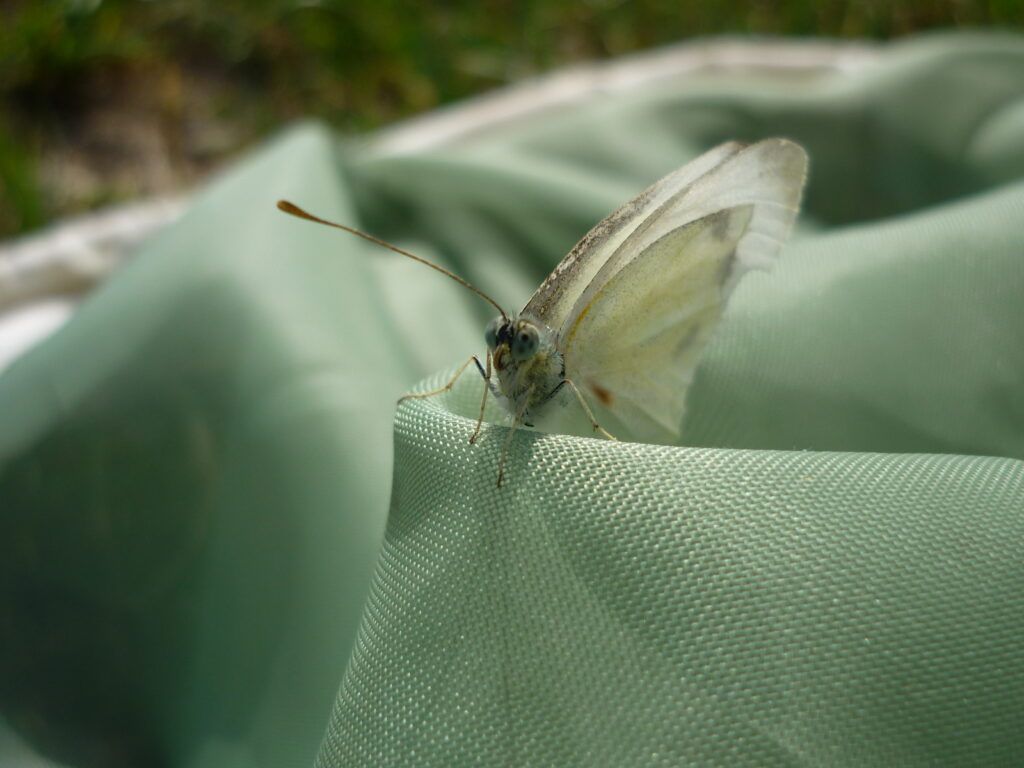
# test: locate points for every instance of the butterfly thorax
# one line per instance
(528, 365)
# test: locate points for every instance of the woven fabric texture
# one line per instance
(642, 605)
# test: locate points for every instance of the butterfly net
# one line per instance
(626, 604)
(222, 546)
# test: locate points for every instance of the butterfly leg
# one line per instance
(483, 401)
(489, 385)
(447, 387)
(511, 433)
(586, 408)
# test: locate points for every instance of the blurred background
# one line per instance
(105, 101)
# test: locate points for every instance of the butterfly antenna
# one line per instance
(294, 210)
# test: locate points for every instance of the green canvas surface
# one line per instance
(220, 544)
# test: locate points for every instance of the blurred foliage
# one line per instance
(106, 100)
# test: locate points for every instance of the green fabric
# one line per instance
(196, 470)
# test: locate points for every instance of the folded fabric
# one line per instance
(196, 469)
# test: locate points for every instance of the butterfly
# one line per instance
(622, 320)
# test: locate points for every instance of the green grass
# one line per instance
(94, 93)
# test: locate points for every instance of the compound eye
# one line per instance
(491, 333)
(525, 343)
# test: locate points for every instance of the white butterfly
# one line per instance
(626, 314)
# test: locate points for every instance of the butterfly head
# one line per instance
(512, 340)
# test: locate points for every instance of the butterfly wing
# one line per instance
(634, 336)
(554, 300)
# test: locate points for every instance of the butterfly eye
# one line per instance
(525, 343)
(492, 331)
